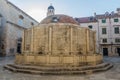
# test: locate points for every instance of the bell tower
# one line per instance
(50, 11)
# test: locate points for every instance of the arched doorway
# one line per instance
(118, 51)
(19, 45)
(105, 51)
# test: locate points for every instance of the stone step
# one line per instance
(103, 69)
(57, 68)
(10, 68)
(42, 72)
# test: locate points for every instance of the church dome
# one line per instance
(50, 7)
(59, 19)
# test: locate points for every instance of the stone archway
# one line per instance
(19, 45)
(118, 51)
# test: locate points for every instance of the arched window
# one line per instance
(32, 23)
(21, 17)
(20, 21)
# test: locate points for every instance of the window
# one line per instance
(117, 40)
(20, 21)
(116, 20)
(116, 30)
(21, 17)
(104, 31)
(55, 19)
(32, 23)
(103, 20)
(104, 40)
(90, 26)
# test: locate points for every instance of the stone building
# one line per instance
(58, 40)
(12, 23)
(58, 45)
(107, 27)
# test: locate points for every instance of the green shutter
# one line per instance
(116, 20)
(103, 20)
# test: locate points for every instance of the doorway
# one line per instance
(105, 51)
(118, 51)
(19, 48)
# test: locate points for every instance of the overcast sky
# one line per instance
(75, 8)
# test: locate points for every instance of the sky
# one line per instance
(75, 8)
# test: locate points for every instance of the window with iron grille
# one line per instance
(116, 30)
(104, 40)
(117, 40)
(116, 20)
(104, 31)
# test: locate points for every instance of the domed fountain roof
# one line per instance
(58, 19)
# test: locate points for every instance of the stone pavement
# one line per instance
(112, 74)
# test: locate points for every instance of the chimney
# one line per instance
(118, 11)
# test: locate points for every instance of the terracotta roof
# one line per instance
(101, 16)
(86, 19)
(94, 19)
(59, 19)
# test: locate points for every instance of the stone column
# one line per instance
(23, 42)
(32, 40)
(50, 40)
(71, 32)
(88, 41)
(94, 35)
(85, 41)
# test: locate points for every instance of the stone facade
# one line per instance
(57, 39)
(12, 23)
(107, 29)
(58, 44)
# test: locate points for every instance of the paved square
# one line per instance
(112, 74)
